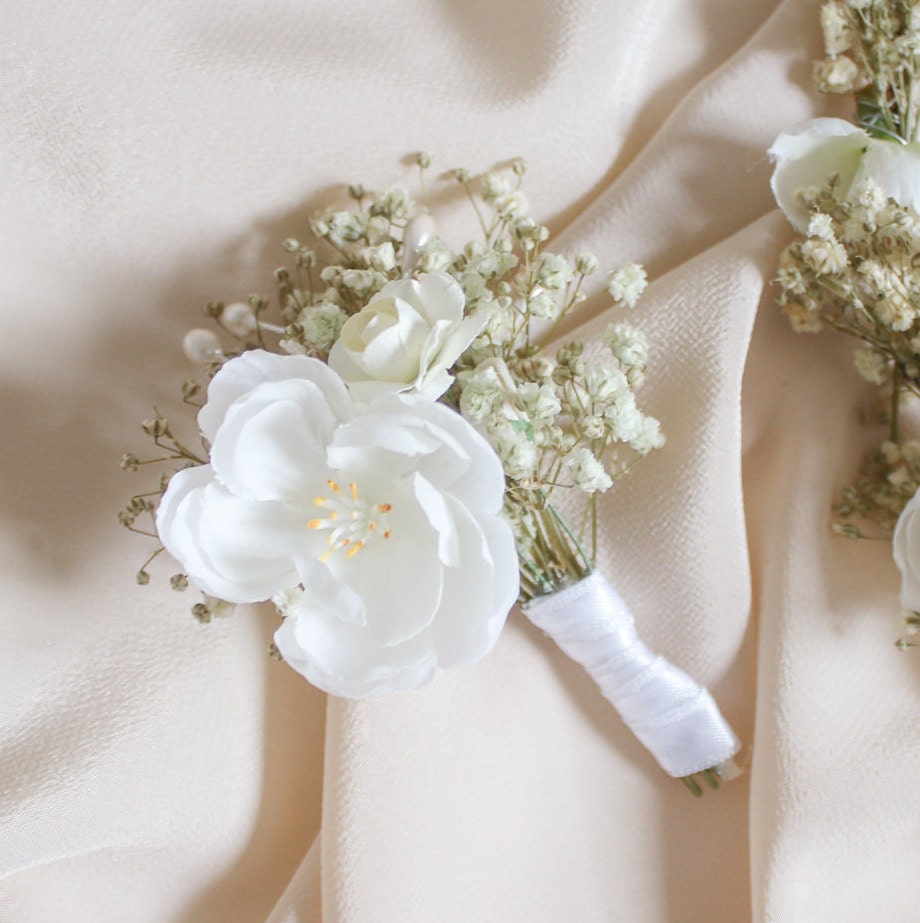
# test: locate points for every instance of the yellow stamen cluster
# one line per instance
(351, 521)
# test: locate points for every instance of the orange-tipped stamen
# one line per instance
(354, 549)
(350, 521)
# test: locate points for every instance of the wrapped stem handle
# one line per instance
(675, 718)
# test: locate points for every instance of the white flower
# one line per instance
(405, 338)
(871, 364)
(649, 436)
(540, 402)
(628, 345)
(825, 257)
(821, 226)
(382, 257)
(834, 25)
(836, 75)
(586, 471)
(602, 383)
(377, 527)
(434, 256)
(812, 151)
(542, 304)
(512, 204)
(494, 185)
(515, 445)
(322, 324)
(480, 400)
(489, 391)
(624, 418)
(906, 550)
(553, 272)
(627, 283)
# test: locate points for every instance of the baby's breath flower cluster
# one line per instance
(856, 268)
(562, 419)
(872, 49)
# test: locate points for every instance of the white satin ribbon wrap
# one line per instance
(674, 717)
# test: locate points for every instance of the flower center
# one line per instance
(350, 520)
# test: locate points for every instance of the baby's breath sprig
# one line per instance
(559, 420)
(858, 268)
(397, 317)
(851, 193)
(873, 49)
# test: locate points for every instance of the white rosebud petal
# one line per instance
(406, 338)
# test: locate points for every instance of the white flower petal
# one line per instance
(240, 375)
(457, 339)
(346, 660)
(233, 549)
(402, 583)
(438, 513)
(270, 438)
(478, 592)
(440, 296)
(323, 590)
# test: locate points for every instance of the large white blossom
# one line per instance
(406, 338)
(376, 527)
(809, 153)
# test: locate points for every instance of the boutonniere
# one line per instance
(852, 192)
(385, 448)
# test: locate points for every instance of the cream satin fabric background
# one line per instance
(153, 770)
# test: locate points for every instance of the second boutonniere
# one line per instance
(382, 449)
(852, 191)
